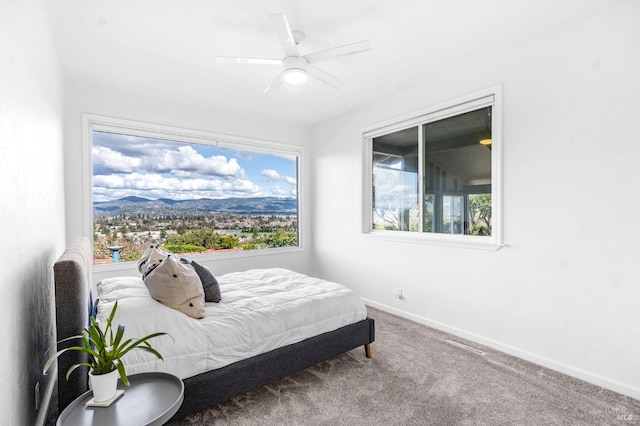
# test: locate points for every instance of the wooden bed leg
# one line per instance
(367, 350)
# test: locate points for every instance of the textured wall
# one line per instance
(32, 208)
(564, 291)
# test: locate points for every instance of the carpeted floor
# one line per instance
(416, 378)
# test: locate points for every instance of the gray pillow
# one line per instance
(209, 283)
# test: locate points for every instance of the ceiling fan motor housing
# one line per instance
(294, 62)
(295, 69)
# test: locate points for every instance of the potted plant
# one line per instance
(105, 349)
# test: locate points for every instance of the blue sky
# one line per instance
(126, 165)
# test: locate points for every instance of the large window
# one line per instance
(435, 175)
(192, 193)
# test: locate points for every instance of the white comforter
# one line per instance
(261, 310)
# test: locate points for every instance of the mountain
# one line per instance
(134, 199)
(165, 200)
(256, 205)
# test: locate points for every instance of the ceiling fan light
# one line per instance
(295, 76)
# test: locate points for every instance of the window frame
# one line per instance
(489, 96)
(91, 122)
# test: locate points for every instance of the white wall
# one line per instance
(32, 207)
(83, 97)
(565, 290)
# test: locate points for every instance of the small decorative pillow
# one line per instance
(151, 258)
(209, 283)
(173, 283)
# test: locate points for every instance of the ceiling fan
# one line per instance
(296, 67)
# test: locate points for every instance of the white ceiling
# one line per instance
(167, 47)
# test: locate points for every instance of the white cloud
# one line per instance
(274, 175)
(271, 174)
(155, 185)
(245, 185)
(185, 160)
(106, 160)
(154, 169)
(278, 191)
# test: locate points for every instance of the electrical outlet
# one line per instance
(398, 293)
(36, 394)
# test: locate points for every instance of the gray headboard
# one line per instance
(73, 284)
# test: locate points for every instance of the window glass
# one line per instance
(395, 181)
(457, 164)
(433, 174)
(192, 198)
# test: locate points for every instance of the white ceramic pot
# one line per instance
(104, 386)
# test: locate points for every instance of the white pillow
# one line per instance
(173, 283)
(151, 258)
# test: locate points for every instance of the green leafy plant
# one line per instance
(183, 248)
(104, 347)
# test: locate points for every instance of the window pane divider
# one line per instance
(421, 178)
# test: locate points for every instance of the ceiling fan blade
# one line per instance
(324, 77)
(260, 61)
(347, 49)
(284, 34)
(275, 84)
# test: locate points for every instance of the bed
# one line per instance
(208, 379)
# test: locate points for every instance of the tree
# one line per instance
(480, 214)
(203, 237)
(226, 241)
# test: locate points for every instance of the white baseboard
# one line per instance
(622, 388)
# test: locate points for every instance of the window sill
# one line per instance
(128, 265)
(458, 241)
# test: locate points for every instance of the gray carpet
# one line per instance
(416, 378)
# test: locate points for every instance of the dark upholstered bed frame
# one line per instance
(73, 284)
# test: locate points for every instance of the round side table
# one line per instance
(152, 399)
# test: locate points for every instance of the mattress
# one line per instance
(260, 310)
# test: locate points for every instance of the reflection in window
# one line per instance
(395, 181)
(457, 164)
(435, 177)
